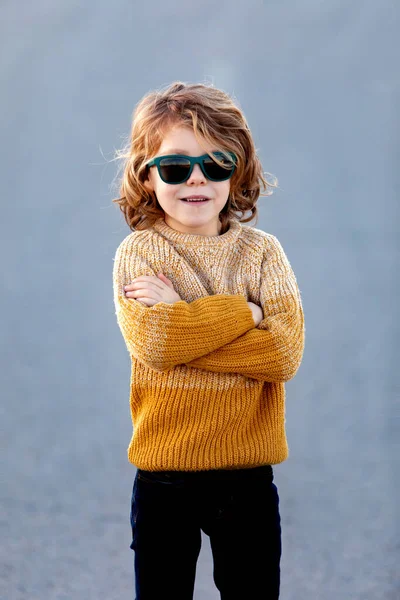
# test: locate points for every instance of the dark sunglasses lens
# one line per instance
(174, 170)
(214, 171)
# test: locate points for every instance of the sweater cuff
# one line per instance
(242, 317)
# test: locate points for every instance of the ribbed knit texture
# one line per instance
(207, 386)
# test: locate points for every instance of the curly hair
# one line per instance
(215, 120)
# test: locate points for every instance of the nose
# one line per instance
(196, 177)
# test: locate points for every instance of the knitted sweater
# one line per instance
(207, 386)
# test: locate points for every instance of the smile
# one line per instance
(195, 199)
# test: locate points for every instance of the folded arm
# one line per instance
(273, 351)
(165, 335)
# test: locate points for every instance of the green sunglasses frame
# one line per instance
(194, 160)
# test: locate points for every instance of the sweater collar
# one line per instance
(196, 239)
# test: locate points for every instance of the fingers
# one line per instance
(166, 280)
(146, 301)
(151, 289)
(148, 292)
(142, 297)
(142, 294)
(144, 282)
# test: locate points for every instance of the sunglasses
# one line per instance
(177, 168)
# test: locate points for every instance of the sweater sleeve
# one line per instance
(165, 335)
(272, 351)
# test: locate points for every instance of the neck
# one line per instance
(208, 229)
(199, 239)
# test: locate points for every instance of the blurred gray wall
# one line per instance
(319, 84)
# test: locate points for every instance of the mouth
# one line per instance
(195, 199)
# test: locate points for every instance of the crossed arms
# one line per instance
(217, 333)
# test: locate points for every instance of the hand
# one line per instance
(150, 290)
(257, 311)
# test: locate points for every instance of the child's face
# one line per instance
(188, 217)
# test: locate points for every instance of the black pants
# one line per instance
(238, 509)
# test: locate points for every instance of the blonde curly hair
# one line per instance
(215, 120)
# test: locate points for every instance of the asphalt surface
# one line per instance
(319, 85)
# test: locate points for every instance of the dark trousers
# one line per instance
(238, 509)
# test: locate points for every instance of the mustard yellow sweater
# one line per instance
(207, 386)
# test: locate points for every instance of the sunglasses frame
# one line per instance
(194, 160)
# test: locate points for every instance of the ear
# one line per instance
(148, 184)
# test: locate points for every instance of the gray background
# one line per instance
(319, 84)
